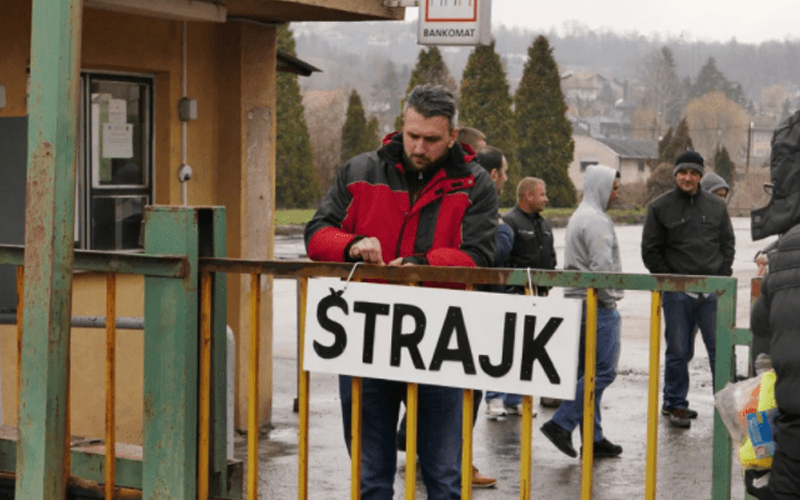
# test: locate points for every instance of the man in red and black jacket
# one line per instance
(418, 200)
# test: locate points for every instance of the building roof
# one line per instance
(290, 64)
(638, 149)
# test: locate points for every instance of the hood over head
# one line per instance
(597, 185)
(783, 210)
(711, 182)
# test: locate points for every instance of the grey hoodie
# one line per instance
(711, 182)
(591, 242)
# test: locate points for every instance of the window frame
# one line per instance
(86, 181)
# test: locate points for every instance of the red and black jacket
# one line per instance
(452, 223)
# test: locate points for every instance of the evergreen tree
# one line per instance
(670, 147)
(674, 143)
(356, 139)
(296, 183)
(724, 166)
(430, 68)
(372, 135)
(544, 134)
(710, 79)
(485, 104)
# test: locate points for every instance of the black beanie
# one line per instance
(689, 159)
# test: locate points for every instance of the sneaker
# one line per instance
(550, 402)
(689, 412)
(496, 408)
(561, 438)
(481, 481)
(605, 448)
(679, 417)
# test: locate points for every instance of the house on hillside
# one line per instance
(633, 158)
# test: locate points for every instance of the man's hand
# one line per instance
(368, 249)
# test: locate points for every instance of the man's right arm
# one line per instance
(324, 237)
(653, 244)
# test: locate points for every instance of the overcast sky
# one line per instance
(694, 20)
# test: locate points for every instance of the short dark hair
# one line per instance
(433, 100)
(470, 136)
(490, 158)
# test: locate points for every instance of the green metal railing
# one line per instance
(727, 337)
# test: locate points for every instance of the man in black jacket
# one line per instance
(687, 231)
(533, 248)
(775, 318)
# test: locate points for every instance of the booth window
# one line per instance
(115, 181)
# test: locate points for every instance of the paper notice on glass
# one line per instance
(117, 140)
(117, 111)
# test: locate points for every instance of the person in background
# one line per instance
(687, 231)
(472, 137)
(592, 246)
(417, 200)
(715, 184)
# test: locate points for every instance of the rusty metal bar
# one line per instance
(589, 372)
(111, 349)
(412, 416)
(303, 395)
(253, 400)
(204, 418)
(356, 421)
(42, 450)
(652, 396)
(471, 275)
(168, 266)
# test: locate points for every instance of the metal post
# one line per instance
(171, 360)
(49, 230)
(725, 370)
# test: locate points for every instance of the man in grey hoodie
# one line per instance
(592, 246)
(715, 184)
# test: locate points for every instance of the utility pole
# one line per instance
(749, 141)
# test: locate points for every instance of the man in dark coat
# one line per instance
(687, 231)
(775, 319)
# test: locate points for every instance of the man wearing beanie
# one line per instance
(687, 231)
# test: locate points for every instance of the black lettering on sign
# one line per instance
(507, 360)
(339, 334)
(535, 349)
(453, 322)
(410, 340)
(371, 310)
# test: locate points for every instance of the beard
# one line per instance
(421, 163)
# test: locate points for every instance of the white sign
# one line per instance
(455, 22)
(117, 140)
(479, 340)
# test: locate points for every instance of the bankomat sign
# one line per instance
(455, 22)
(479, 340)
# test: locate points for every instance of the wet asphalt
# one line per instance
(684, 456)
